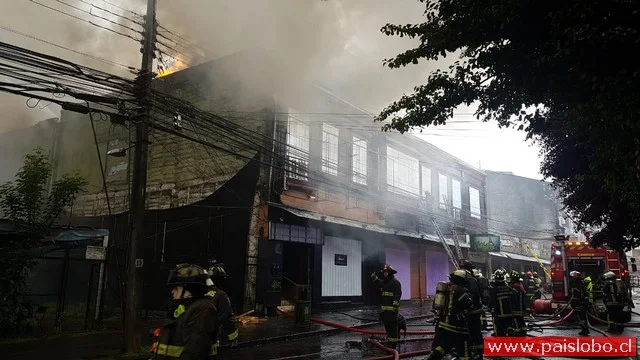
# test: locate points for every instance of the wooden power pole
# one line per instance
(135, 262)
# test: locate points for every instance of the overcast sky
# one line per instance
(338, 42)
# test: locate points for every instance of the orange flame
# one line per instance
(174, 66)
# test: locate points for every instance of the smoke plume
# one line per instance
(336, 42)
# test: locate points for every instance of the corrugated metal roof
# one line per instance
(513, 256)
(371, 227)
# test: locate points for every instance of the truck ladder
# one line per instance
(446, 246)
(538, 260)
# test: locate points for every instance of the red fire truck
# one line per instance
(569, 254)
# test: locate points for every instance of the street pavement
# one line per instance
(336, 346)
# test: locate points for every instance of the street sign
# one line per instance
(95, 253)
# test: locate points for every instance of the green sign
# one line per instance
(485, 243)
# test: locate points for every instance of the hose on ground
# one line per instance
(602, 321)
(393, 354)
(554, 322)
(594, 328)
(361, 331)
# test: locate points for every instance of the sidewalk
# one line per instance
(108, 345)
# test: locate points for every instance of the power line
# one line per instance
(85, 20)
(106, 61)
(136, 31)
(111, 12)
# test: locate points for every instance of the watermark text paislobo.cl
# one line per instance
(560, 346)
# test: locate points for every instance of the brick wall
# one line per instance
(180, 171)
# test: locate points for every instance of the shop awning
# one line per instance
(513, 256)
(357, 224)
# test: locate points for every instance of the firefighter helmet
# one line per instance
(217, 271)
(498, 276)
(458, 277)
(188, 275)
(609, 275)
(388, 268)
(575, 274)
(476, 272)
(529, 274)
(535, 274)
(515, 277)
(467, 265)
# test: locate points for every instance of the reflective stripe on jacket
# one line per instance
(453, 318)
(500, 299)
(391, 293)
(226, 318)
(192, 335)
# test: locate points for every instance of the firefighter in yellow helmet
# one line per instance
(192, 332)
(452, 332)
(226, 318)
(390, 304)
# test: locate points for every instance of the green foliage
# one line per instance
(27, 205)
(25, 200)
(561, 72)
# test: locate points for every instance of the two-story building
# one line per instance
(325, 201)
(526, 214)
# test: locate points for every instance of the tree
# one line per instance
(33, 210)
(561, 72)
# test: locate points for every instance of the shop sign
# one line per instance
(485, 243)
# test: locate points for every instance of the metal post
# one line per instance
(135, 261)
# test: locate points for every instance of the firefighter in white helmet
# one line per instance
(614, 301)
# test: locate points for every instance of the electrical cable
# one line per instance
(84, 20)
(106, 61)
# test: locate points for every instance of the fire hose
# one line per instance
(393, 354)
(361, 331)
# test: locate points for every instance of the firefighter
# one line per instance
(518, 296)
(500, 304)
(452, 331)
(484, 288)
(614, 301)
(476, 344)
(579, 301)
(538, 282)
(391, 293)
(192, 333)
(588, 285)
(226, 318)
(530, 288)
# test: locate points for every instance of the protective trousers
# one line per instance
(615, 315)
(502, 324)
(447, 342)
(476, 342)
(390, 321)
(519, 326)
(581, 314)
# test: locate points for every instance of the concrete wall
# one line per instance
(522, 211)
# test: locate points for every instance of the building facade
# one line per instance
(332, 202)
(526, 214)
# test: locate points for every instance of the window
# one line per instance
(330, 149)
(402, 173)
(426, 181)
(474, 202)
(359, 162)
(297, 149)
(456, 194)
(443, 191)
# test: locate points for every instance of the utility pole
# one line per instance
(135, 261)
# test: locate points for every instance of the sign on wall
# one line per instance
(485, 243)
(340, 260)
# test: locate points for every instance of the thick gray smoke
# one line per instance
(336, 42)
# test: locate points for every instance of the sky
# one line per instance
(337, 43)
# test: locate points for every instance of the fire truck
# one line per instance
(569, 254)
